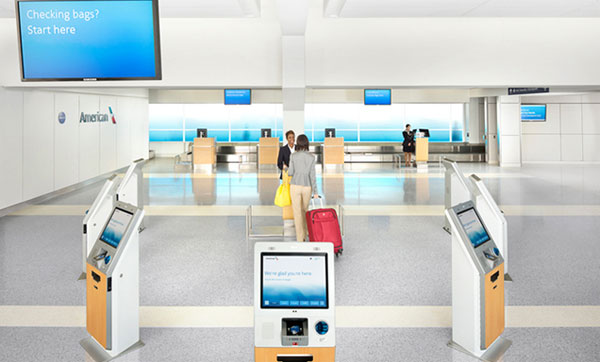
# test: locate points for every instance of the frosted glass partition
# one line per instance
(354, 122)
(178, 122)
(357, 122)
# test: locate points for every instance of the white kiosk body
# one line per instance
(478, 316)
(456, 188)
(129, 189)
(112, 306)
(494, 218)
(96, 216)
(294, 302)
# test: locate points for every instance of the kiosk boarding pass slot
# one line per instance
(478, 314)
(294, 302)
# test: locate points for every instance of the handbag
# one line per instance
(283, 197)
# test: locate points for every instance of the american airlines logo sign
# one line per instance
(98, 117)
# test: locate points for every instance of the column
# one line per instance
(509, 130)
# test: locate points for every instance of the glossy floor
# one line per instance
(396, 256)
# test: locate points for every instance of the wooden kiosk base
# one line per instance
(319, 354)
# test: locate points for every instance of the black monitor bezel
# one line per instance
(157, 51)
(108, 222)
(263, 254)
(480, 221)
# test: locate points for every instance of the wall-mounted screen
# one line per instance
(238, 96)
(473, 227)
(294, 280)
(89, 40)
(378, 97)
(114, 230)
(533, 113)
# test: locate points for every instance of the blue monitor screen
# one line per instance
(533, 113)
(114, 230)
(473, 227)
(237, 96)
(294, 281)
(378, 97)
(89, 40)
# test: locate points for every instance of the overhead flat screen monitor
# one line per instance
(378, 97)
(294, 281)
(238, 96)
(533, 113)
(329, 132)
(114, 230)
(89, 40)
(473, 227)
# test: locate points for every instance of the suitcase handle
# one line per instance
(312, 202)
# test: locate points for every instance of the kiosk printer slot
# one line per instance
(477, 286)
(113, 286)
(294, 302)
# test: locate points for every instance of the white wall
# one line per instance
(400, 52)
(39, 155)
(571, 132)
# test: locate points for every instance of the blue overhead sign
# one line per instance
(237, 96)
(378, 97)
(533, 113)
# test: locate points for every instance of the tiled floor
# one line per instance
(396, 254)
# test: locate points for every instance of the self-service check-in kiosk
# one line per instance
(129, 189)
(294, 302)
(477, 286)
(113, 286)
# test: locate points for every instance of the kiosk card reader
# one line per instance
(294, 302)
(477, 286)
(112, 306)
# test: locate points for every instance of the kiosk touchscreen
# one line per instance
(294, 309)
(477, 286)
(112, 306)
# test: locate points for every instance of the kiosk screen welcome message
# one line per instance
(81, 40)
(473, 227)
(113, 233)
(294, 281)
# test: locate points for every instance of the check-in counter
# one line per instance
(268, 151)
(205, 153)
(422, 149)
(333, 151)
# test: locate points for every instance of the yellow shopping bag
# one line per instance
(282, 196)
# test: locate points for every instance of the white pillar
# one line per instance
(293, 15)
(491, 131)
(475, 124)
(509, 130)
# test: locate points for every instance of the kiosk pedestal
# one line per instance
(294, 302)
(112, 307)
(477, 286)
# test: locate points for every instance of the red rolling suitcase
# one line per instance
(323, 226)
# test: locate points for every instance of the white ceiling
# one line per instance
(474, 8)
(171, 9)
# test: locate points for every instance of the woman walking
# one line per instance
(408, 146)
(303, 184)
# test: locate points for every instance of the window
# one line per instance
(178, 122)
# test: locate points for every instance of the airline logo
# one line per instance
(112, 115)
